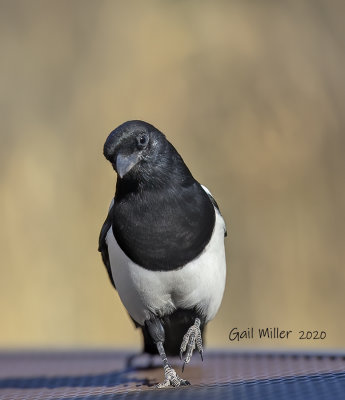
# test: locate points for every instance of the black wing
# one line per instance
(215, 205)
(103, 249)
(102, 244)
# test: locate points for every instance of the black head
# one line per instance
(132, 145)
(140, 152)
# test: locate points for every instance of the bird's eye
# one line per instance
(142, 140)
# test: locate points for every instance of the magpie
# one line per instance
(162, 244)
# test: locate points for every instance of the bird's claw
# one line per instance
(171, 379)
(191, 339)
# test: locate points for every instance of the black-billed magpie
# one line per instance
(162, 244)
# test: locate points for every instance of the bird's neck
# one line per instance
(169, 174)
(157, 184)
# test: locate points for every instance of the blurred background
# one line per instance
(252, 95)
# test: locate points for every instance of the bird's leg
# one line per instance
(171, 377)
(157, 333)
(191, 339)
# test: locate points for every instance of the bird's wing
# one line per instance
(102, 244)
(215, 206)
(103, 247)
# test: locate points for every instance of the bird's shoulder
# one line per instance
(216, 207)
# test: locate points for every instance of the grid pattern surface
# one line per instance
(105, 375)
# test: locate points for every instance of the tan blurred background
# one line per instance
(252, 94)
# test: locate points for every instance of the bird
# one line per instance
(162, 244)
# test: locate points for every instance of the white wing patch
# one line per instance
(217, 211)
(206, 190)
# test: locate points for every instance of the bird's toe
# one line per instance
(171, 379)
(191, 340)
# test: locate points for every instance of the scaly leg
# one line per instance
(191, 339)
(171, 377)
(157, 333)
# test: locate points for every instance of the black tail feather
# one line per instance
(175, 326)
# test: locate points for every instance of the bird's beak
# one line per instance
(125, 163)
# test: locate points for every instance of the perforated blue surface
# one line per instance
(225, 375)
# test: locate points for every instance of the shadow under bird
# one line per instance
(162, 244)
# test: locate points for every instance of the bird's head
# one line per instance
(133, 147)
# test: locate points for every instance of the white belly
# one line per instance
(200, 283)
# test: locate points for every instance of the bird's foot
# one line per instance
(171, 379)
(191, 339)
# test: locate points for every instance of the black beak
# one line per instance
(125, 163)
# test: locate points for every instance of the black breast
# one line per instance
(163, 230)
